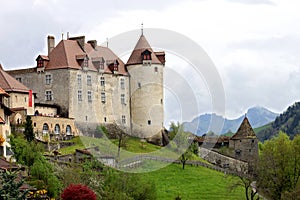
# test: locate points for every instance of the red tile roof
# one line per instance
(7, 165)
(2, 121)
(68, 53)
(245, 131)
(10, 84)
(136, 55)
(3, 93)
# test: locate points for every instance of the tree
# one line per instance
(42, 170)
(279, 167)
(78, 192)
(10, 186)
(28, 132)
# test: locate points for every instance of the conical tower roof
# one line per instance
(245, 131)
(140, 47)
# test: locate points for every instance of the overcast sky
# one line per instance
(254, 44)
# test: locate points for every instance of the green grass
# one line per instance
(135, 145)
(109, 146)
(193, 183)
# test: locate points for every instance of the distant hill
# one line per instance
(288, 122)
(258, 116)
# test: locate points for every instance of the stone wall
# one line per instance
(223, 161)
(38, 125)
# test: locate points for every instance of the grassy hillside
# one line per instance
(132, 144)
(262, 128)
(193, 183)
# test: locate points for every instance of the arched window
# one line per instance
(57, 129)
(68, 130)
(45, 128)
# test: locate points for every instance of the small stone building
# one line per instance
(244, 143)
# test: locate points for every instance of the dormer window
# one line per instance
(40, 63)
(146, 55)
(116, 65)
(86, 62)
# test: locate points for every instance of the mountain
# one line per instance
(288, 122)
(258, 116)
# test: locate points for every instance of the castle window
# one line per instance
(34, 124)
(252, 141)
(57, 129)
(122, 83)
(104, 119)
(89, 94)
(89, 80)
(103, 97)
(155, 69)
(79, 79)
(48, 95)
(45, 128)
(48, 79)
(68, 130)
(123, 99)
(123, 119)
(102, 81)
(19, 79)
(40, 63)
(79, 95)
(149, 122)
(139, 85)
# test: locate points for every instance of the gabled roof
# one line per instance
(10, 84)
(69, 54)
(245, 131)
(140, 47)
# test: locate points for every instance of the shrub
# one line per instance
(78, 192)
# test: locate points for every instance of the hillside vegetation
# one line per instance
(288, 122)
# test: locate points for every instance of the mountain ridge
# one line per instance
(258, 116)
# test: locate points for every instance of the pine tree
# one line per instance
(29, 135)
(10, 187)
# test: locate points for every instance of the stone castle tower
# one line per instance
(245, 143)
(145, 68)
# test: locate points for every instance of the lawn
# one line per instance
(193, 183)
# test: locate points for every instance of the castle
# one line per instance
(93, 86)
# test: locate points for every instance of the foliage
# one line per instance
(43, 171)
(10, 186)
(120, 185)
(288, 122)
(28, 132)
(279, 166)
(24, 152)
(31, 155)
(78, 192)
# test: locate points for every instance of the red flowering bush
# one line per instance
(78, 192)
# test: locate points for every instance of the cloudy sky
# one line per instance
(254, 44)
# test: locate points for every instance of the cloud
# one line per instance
(254, 2)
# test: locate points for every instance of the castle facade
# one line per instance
(94, 86)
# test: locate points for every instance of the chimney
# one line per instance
(80, 40)
(93, 43)
(51, 43)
